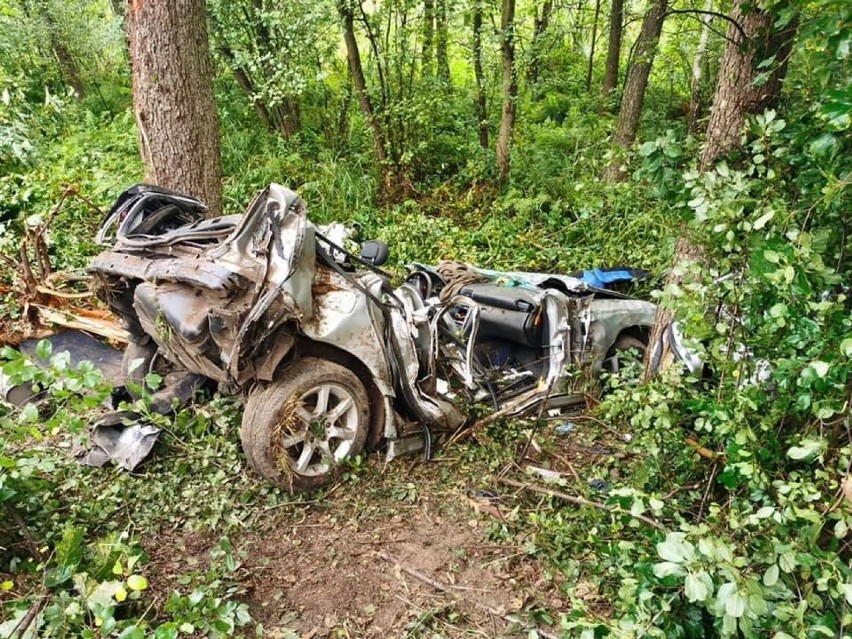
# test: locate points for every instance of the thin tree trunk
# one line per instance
(594, 42)
(697, 62)
(736, 94)
(356, 71)
(428, 37)
(539, 27)
(288, 117)
(343, 116)
(510, 90)
(481, 106)
(637, 82)
(173, 97)
(67, 63)
(441, 42)
(613, 54)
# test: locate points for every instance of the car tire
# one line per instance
(297, 430)
(152, 361)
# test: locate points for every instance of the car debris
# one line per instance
(329, 358)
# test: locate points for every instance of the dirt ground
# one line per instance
(422, 569)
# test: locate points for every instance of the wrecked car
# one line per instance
(329, 357)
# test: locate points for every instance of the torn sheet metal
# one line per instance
(126, 445)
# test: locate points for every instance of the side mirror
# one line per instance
(374, 252)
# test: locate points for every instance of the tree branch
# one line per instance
(715, 14)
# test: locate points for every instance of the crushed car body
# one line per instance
(329, 357)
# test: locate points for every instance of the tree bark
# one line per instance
(594, 42)
(481, 105)
(442, 42)
(428, 37)
(613, 54)
(173, 97)
(697, 62)
(737, 94)
(637, 82)
(510, 90)
(539, 27)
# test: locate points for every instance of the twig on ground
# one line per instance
(437, 585)
(568, 463)
(579, 501)
(32, 544)
(707, 492)
(26, 621)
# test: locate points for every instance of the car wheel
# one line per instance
(147, 359)
(296, 431)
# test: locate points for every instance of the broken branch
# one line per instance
(579, 501)
(706, 453)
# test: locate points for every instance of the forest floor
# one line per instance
(418, 563)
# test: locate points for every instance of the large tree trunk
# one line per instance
(539, 27)
(481, 106)
(510, 89)
(173, 97)
(637, 82)
(697, 62)
(613, 53)
(442, 42)
(594, 42)
(737, 95)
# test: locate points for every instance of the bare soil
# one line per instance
(333, 569)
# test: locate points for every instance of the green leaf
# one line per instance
(28, 415)
(696, 588)
(821, 368)
(770, 577)
(846, 589)
(846, 347)
(735, 606)
(132, 632)
(760, 222)
(765, 512)
(772, 256)
(807, 448)
(668, 569)
(137, 582)
(787, 562)
(44, 349)
(676, 549)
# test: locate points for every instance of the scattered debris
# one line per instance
(447, 588)
(579, 501)
(566, 428)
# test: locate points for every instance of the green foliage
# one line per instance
(755, 541)
(80, 540)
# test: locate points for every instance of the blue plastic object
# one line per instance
(600, 278)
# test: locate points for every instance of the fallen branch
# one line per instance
(83, 322)
(26, 621)
(32, 544)
(706, 453)
(579, 501)
(498, 414)
(442, 587)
